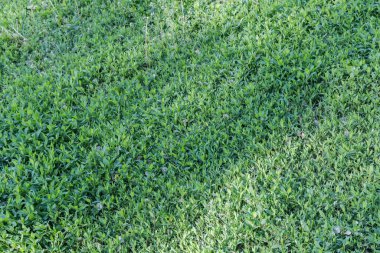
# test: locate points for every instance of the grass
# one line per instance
(189, 126)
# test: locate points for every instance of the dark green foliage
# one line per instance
(189, 126)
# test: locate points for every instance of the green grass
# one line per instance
(189, 126)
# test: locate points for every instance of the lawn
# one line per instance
(189, 126)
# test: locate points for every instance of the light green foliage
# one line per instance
(189, 126)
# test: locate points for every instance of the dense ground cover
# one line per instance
(189, 126)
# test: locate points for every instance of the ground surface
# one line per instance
(189, 126)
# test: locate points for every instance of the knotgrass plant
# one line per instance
(189, 126)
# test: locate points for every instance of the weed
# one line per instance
(189, 126)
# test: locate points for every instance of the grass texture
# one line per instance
(189, 126)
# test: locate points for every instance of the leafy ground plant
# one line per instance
(189, 126)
